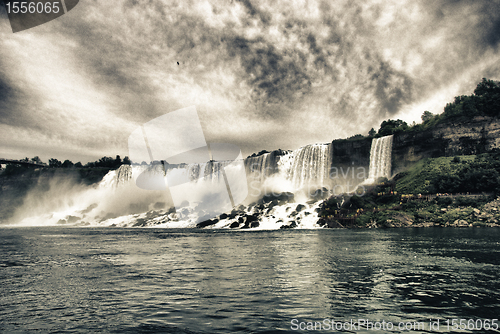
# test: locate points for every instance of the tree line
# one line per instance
(484, 102)
(104, 162)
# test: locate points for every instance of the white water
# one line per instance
(380, 159)
(306, 167)
(309, 166)
(117, 201)
(261, 167)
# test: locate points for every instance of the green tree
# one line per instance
(484, 102)
(126, 161)
(36, 160)
(391, 126)
(372, 132)
(67, 164)
(118, 161)
(105, 162)
(487, 93)
(54, 163)
(427, 116)
(487, 87)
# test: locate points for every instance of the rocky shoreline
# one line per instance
(487, 216)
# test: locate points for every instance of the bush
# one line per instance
(365, 219)
(447, 183)
(356, 202)
(12, 170)
(465, 201)
(444, 201)
(387, 199)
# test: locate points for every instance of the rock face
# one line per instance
(349, 153)
(456, 137)
(459, 136)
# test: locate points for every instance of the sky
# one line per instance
(262, 75)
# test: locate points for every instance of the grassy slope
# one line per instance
(394, 211)
(418, 178)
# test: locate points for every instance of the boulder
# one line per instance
(459, 223)
(208, 222)
(249, 220)
(319, 194)
(280, 197)
(300, 207)
(235, 213)
(141, 222)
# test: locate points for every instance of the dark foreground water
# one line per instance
(71, 280)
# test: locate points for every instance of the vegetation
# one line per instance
(105, 162)
(88, 173)
(460, 174)
(420, 194)
(258, 154)
(484, 102)
(423, 195)
(390, 127)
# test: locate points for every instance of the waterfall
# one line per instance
(214, 170)
(380, 159)
(261, 167)
(194, 172)
(117, 177)
(309, 165)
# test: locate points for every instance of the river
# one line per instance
(117, 280)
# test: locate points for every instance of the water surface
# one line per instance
(71, 280)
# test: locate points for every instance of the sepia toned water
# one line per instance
(81, 280)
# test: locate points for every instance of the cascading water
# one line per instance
(310, 165)
(117, 201)
(380, 159)
(209, 171)
(259, 168)
(117, 177)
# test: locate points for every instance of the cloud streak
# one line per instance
(262, 74)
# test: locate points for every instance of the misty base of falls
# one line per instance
(286, 189)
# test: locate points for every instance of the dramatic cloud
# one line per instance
(262, 74)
